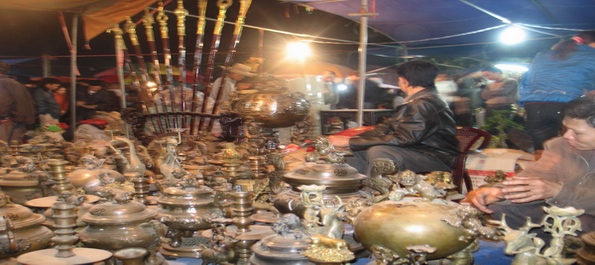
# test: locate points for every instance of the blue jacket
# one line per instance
(46, 103)
(554, 80)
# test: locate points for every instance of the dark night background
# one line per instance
(32, 34)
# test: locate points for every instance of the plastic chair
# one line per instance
(470, 140)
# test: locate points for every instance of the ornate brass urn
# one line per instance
(416, 223)
(20, 229)
(326, 169)
(120, 223)
(24, 182)
(185, 210)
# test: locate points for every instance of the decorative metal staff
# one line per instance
(200, 33)
(223, 5)
(123, 60)
(169, 74)
(148, 23)
(141, 88)
(237, 34)
(181, 14)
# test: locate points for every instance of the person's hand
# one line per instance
(80, 103)
(484, 196)
(522, 189)
(339, 140)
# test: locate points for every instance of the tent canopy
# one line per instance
(97, 15)
(429, 27)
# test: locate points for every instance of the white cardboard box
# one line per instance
(490, 160)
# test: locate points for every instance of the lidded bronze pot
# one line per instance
(327, 169)
(120, 223)
(187, 209)
(20, 229)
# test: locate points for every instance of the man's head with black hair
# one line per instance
(419, 73)
(579, 122)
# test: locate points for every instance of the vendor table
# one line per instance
(490, 252)
(332, 121)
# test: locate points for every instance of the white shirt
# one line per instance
(229, 86)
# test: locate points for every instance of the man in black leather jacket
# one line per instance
(420, 136)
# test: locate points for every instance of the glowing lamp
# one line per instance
(512, 35)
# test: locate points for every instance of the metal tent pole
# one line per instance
(73, 70)
(362, 50)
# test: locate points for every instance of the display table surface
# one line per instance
(332, 121)
(490, 252)
(48, 257)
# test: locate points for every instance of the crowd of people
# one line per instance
(27, 105)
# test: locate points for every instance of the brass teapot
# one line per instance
(184, 209)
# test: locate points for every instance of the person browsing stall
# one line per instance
(44, 98)
(501, 93)
(235, 73)
(564, 176)
(96, 98)
(555, 77)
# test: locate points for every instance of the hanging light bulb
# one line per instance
(298, 51)
(512, 35)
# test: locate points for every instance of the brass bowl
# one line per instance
(274, 108)
(395, 225)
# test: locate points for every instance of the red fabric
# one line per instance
(355, 131)
(62, 100)
(95, 122)
(63, 125)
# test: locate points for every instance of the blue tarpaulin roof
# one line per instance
(429, 27)
(19, 60)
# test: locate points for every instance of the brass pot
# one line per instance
(114, 226)
(23, 186)
(89, 179)
(340, 180)
(275, 108)
(187, 209)
(396, 225)
(21, 230)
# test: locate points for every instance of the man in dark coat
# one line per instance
(420, 136)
